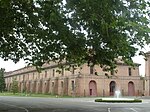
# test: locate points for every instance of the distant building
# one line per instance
(78, 81)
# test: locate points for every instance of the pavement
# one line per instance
(36, 104)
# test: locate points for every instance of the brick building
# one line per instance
(78, 81)
(147, 75)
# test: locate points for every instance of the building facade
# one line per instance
(147, 75)
(77, 81)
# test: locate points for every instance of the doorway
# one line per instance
(93, 88)
(112, 87)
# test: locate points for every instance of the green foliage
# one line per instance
(119, 101)
(14, 87)
(2, 80)
(79, 31)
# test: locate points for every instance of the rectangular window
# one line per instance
(23, 77)
(45, 74)
(112, 72)
(15, 77)
(63, 71)
(62, 84)
(38, 75)
(33, 76)
(91, 69)
(28, 77)
(53, 72)
(19, 77)
(129, 70)
(52, 84)
(72, 84)
(73, 69)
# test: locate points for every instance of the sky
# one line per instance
(140, 60)
(10, 65)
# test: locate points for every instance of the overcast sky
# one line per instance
(140, 60)
(10, 66)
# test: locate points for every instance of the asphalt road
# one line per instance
(30, 104)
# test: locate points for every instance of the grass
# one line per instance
(32, 95)
(119, 101)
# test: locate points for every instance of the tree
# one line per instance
(92, 31)
(2, 80)
(14, 87)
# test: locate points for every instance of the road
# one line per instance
(34, 104)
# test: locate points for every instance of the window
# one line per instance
(52, 84)
(96, 73)
(23, 77)
(72, 85)
(63, 71)
(28, 77)
(129, 70)
(53, 72)
(91, 69)
(38, 75)
(73, 69)
(33, 76)
(45, 74)
(112, 72)
(19, 77)
(62, 84)
(15, 77)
